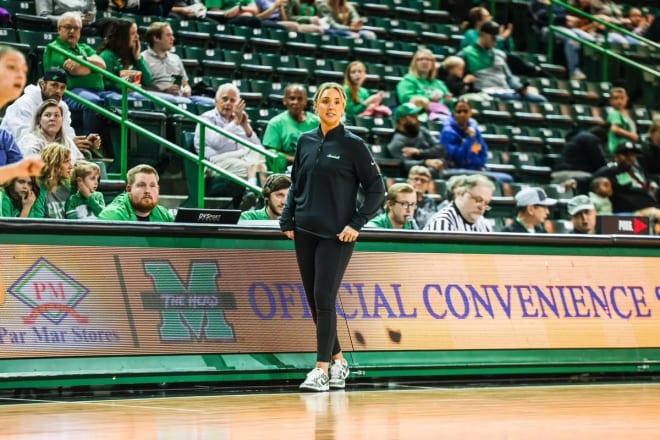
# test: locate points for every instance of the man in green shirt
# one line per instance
(81, 80)
(283, 130)
(140, 201)
(275, 192)
(399, 209)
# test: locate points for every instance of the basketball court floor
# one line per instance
(361, 412)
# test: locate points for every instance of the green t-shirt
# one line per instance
(120, 209)
(93, 81)
(355, 108)
(257, 214)
(226, 4)
(383, 221)
(282, 131)
(78, 207)
(113, 65)
(618, 118)
(411, 86)
(10, 210)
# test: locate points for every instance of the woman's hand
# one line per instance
(84, 190)
(136, 49)
(348, 235)
(290, 234)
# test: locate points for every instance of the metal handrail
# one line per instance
(125, 124)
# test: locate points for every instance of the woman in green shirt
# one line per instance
(122, 53)
(360, 101)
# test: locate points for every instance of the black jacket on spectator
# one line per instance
(625, 198)
(583, 152)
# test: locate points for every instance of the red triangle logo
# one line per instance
(639, 226)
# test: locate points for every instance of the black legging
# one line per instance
(322, 263)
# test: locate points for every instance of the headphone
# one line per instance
(275, 182)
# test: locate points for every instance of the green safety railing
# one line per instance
(125, 124)
(603, 47)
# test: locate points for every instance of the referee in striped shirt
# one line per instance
(472, 194)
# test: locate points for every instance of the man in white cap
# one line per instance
(533, 209)
(583, 215)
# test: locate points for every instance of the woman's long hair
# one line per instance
(117, 39)
(352, 87)
(54, 155)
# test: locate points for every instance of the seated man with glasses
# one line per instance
(419, 178)
(533, 209)
(472, 194)
(399, 209)
(81, 80)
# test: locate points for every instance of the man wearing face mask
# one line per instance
(414, 144)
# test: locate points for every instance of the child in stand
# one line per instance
(622, 127)
(456, 80)
(20, 198)
(360, 102)
(86, 203)
(601, 190)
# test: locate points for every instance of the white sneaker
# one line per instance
(578, 75)
(316, 380)
(339, 371)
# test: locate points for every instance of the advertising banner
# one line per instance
(61, 301)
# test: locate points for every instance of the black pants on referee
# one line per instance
(322, 263)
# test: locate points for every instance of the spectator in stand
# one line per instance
(540, 12)
(153, 8)
(489, 66)
(533, 208)
(582, 155)
(13, 75)
(479, 15)
(583, 215)
(283, 130)
(637, 23)
(122, 53)
(47, 129)
(275, 191)
(622, 126)
(275, 11)
(399, 209)
(53, 9)
(81, 80)
(650, 158)
(54, 183)
(341, 18)
(140, 201)
(592, 30)
(86, 203)
(465, 213)
(632, 191)
(188, 10)
(10, 152)
(169, 77)
(455, 78)
(20, 114)
(421, 87)
(600, 193)
(414, 144)
(238, 12)
(229, 114)
(20, 198)
(361, 102)
(419, 178)
(466, 148)
(302, 12)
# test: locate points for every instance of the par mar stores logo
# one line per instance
(49, 293)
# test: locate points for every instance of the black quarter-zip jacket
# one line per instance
(326, 174)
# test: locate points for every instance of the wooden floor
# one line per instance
(630, 411)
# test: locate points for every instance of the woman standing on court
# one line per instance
(321, 215)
